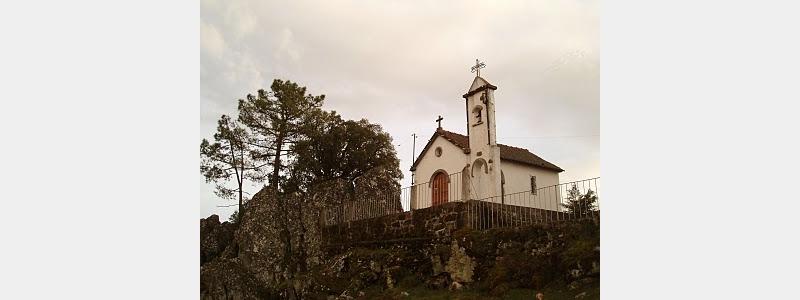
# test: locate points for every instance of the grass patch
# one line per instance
(551, 293)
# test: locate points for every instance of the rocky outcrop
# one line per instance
(215, 237)
(260, 249)
(533, 257)
(226, 279)
(261, 240)
(491, 262)
(350, 273)
(391, 253)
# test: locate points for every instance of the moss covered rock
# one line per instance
(460, 265)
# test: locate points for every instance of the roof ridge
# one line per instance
(456, 133)
(512, 153)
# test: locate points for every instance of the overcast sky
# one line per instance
(403, 63)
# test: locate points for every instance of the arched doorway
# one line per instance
(439, 188)
(480, 180)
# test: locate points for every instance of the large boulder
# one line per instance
(215, 237)
(228, 280)
(262, 247)
(357, 269)
(460, 266)
(259, 240)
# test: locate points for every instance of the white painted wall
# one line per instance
(517, 180)
(518, 186)
(483, 141)
(453, 160)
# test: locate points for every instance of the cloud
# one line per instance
(287, 49)
(402, 63)
(211, 41)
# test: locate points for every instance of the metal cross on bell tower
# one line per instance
(477, 67)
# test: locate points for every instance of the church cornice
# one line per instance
(480, 89)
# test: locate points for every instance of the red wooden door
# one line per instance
(439, 189)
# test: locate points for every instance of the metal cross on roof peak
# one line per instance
(477, 67)
(440, 121)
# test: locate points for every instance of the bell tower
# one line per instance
(485, 176)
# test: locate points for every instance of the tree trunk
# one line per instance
(302, 254)
(286, 236)
(241, 209)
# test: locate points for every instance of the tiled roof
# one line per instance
(510, 153)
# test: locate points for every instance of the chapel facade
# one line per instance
(456, 167)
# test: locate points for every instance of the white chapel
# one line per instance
(455, 167)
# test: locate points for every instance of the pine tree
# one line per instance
(228, 158)
(278, 120)
(580, 205)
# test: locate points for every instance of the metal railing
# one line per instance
(364, 206)
(432, 193)
(377, 203)
(575, 200)
(564, 201)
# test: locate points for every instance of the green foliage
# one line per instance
(582, 205)
(277, 120)
(286, 130)
(282, 136)
(227, 158)
(358, 153)
(581, 246)
(234, 218)
(579, 251)
(555, 292)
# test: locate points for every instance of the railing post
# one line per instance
(519, 208)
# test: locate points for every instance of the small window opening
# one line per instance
(477, 115)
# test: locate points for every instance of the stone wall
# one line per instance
(382, 257)
(489, 262)
(461, 244)
(433, 222)
(437, 222)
